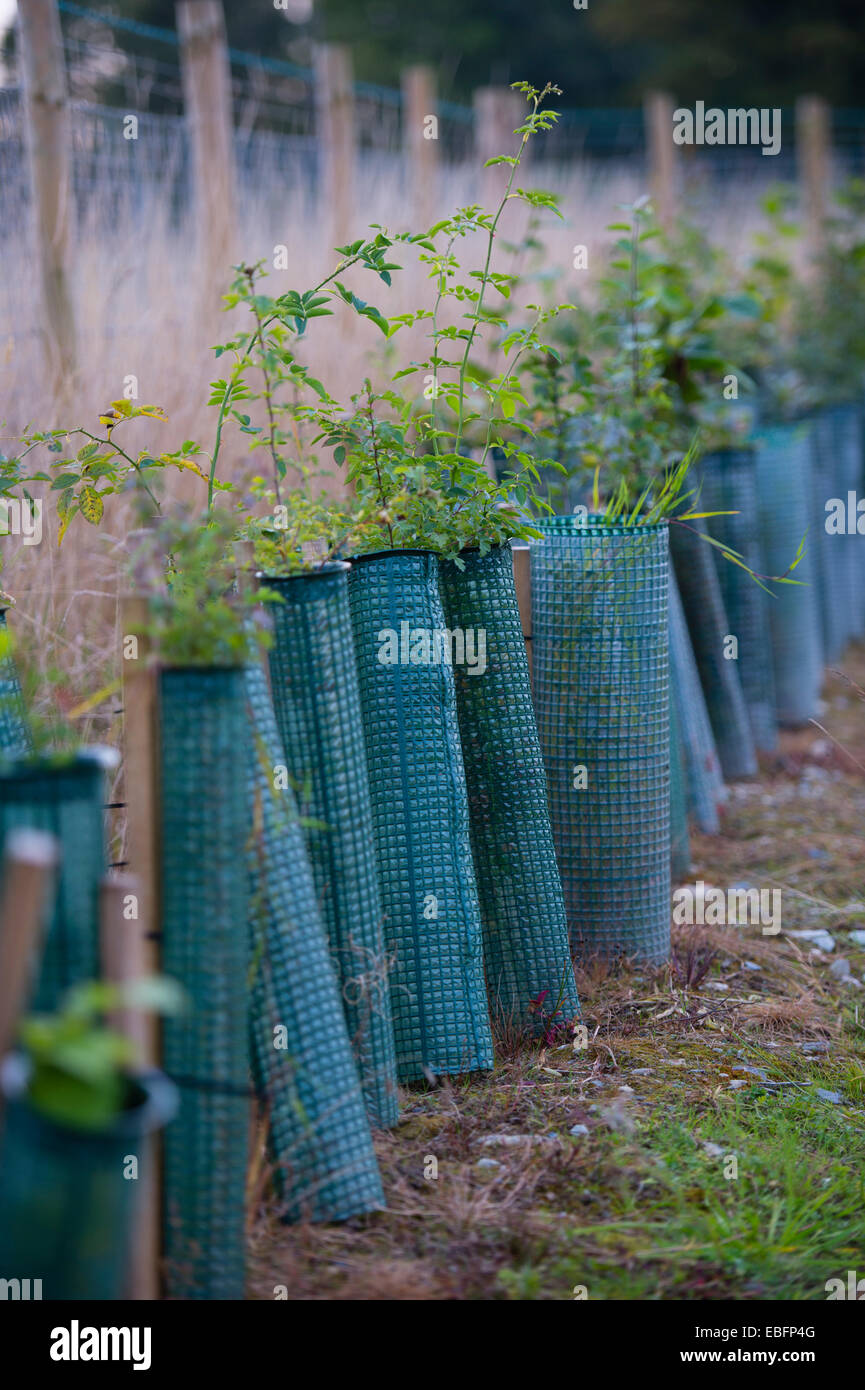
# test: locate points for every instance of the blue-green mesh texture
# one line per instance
(66, 799)
(324, 1165)
(729, 485)
(680, 840)
(847, 430)
(315, 697)
(784, 494)
(709, 626)
(420, 819)
(704, 784)
(527, 962)
(601, 688)
(829, 552)
(204, 754)
(15, 738)
(65, 1206)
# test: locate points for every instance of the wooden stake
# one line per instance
(207, 100)
(522, 561)
(141, 781)
(658, 117)
(48, 137)
(335, 124)
(29, 859)
(124, 950)
(420, 141)
(814, 158)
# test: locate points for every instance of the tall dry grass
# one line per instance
(143, 309)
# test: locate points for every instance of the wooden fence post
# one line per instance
(335, 127)
(207, 102)
(522, 561)
(661, 152)
(49, 146)
(813, 159)
(141, 784)
(498, 113)
(123, 949)
(420, 141)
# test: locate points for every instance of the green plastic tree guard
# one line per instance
(65, 797)
(704, 783)
(325, 1167)
(729, 485)
(66, 1206)
(600, 659)
(420, 816)
(680, 840)
(15, 738)
(786, 515)
(828, 550)
(847, 426)
(204, 756)
(709, 627)
(315, 697)
(526, 954)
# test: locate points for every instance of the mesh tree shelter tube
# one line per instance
(680, 840)
(15, 737)
(203, 768)
(847, 428)
(827, 550)
(704, 783)
(67, 798)
(709, 627)
(420, 816)
(315, 697)
(729, 484)
(325, 1167)
(526, 953)
(66, 1205)
(600, 659)
(785, 508)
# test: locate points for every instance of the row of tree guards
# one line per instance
(363, 872)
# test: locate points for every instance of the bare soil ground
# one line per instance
(707, 1143)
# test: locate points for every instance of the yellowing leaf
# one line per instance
(183, 463)
(64, 525)
(91, 505)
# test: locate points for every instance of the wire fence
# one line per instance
(120, 68)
